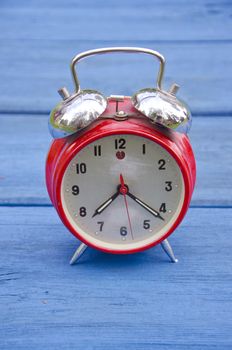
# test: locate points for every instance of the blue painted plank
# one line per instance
(110, 302)
(40, 67)
(138, 301)
(121, 20)
(25, 142)
(38, 41)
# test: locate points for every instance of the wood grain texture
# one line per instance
(121, 20)
(41, 67)
(25, 143)
(139, 301)
(38, 41)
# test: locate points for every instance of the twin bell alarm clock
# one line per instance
(120, 171)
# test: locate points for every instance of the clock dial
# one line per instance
(122, 192)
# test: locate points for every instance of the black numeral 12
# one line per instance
(120, 144)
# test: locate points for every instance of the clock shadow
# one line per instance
(107, 261)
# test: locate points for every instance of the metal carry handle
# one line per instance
(117, 49)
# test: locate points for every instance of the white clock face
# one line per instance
(122, 192)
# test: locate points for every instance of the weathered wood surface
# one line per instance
(110, 302)
(139, 301)
(25, 142)
(38, 40)
(40, 68)
(121, 20)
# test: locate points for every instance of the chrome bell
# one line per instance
(76, 112)
(80, 109)
(162, 107)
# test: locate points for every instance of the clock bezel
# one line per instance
(172, 142)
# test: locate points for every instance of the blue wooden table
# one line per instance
(139, 301)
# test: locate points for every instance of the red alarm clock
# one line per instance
(121, 170)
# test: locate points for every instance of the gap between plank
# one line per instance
(143, 42)
(47, 112)
(41, 205)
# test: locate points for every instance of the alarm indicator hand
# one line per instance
(104, 205)
(145, 206)
(123, 190)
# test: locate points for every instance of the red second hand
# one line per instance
(124, 190)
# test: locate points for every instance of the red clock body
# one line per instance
(148, 153)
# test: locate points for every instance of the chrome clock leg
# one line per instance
(168, 250)
(80, 250)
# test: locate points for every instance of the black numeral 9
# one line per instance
(75, 190)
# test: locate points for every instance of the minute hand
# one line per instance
(145, 206)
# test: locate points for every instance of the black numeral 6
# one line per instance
(123, 231)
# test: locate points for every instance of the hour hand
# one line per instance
(145, 206)
(104, 205)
